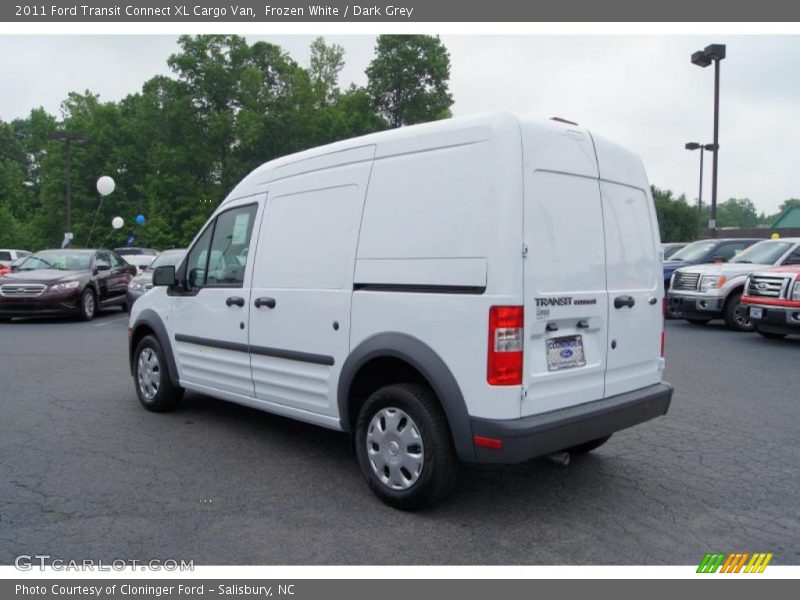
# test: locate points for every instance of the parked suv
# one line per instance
(485, 289)
(705, 292)
(772, 300)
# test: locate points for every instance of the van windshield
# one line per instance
(694, 251)
(763, 253)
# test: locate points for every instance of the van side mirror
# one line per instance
(164, 275)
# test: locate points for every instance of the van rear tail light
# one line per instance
(505, 345)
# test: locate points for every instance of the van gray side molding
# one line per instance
(318, 359)
(420, 356)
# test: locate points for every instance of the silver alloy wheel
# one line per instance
(88, 304)
(148, 373)
(394, 448)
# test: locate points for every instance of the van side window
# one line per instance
(229, 247)
(219, 256)
(197, 261)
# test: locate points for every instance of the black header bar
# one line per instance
(399, 11)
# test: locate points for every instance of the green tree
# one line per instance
(737, 212)
(677, 220)
(408, 79)
(327, 62)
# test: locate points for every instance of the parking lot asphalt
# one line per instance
(85, 472)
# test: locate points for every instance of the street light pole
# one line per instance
(716, 147)
(68, 137)
(703, 58)
(702, 148)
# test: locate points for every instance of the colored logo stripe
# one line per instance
(734, 562)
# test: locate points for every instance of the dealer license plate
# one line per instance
(565, 352)
(756, 312)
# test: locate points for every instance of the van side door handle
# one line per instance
(237, 300)
(621, 301)
(268, 302)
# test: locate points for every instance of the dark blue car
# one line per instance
(705, 251)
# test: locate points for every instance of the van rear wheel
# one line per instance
(404, 448)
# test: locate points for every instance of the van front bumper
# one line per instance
(538, 435)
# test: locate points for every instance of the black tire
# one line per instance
(436, 476)
(735, 319)
(87, 309)
(165, 395)
(587, 447)
(770, 335)
(699, 321)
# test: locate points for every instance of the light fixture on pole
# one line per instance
(68, 137)
(703, 58)
(702, 148)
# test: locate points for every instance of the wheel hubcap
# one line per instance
(148, 373)
(88, 305)
(394, 448)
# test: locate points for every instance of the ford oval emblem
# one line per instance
(761, 286)
(566, 353)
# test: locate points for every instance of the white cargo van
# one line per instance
(485, 290)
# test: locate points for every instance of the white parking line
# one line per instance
(106, 322)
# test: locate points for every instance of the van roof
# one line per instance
(442, 133)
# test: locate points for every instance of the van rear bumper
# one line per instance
(537, 435)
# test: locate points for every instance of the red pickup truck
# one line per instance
(772, 301)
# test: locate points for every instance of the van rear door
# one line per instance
(565, 276)
(634, 271)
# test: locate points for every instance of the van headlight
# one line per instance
(796, 291)
(712, 282)
(63, 287)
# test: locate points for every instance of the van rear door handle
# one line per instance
(621, 301)
(237, 300)
(268, 302)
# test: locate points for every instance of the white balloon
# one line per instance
(117, 222)
(105, 185)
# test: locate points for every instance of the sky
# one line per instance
(641, 91)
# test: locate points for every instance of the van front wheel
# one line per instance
(153, 385)
(404, 448)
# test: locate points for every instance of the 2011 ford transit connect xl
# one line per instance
(483, 289)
